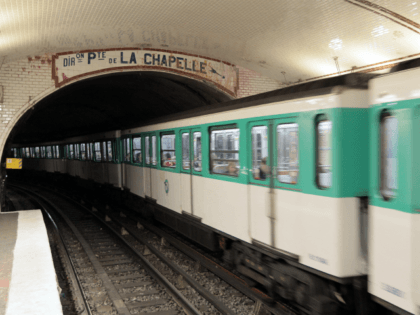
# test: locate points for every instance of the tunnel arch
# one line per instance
(163, 93)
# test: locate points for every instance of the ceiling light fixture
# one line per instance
(379, 31)
(336, 44)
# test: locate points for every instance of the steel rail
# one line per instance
(187, 306)
(221, 272)
(219, 305)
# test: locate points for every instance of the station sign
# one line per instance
(14, 164)
(74, 65)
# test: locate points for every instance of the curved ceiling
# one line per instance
(112, 102)
(282, 39)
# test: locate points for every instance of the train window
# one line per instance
(147, 147)
(186, 151)
(37, 152)
(259, 139)
(77, 151)
(90, 151)
(154, 160)
(31, 150)
(54, 154)
(197, 151)
(126, 143)
(104, 155)
(288, 153)
(43, 152)
(15, 155)
(389, 159)
(49, 152)
(137, 158)
(83, 151)
(323, 153)
(28, 155)
(71, 151)
(224, 152)
(167, 150)
(97, 150)
(109, 149)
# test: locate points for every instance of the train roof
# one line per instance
(308, 89)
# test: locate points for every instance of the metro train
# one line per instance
(311, 191)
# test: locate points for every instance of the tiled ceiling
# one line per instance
(282, 39)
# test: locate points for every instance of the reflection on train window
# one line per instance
(27, 152)
(71, 151)
(15, 155)
(31, 150)
(259, 138)
(83, 151)
(57, 149)
(109, 148)
(389, 148)
(167, 150)
(104, 151)
(324, 154)
(288, 153)
(186, 151)
(137, 158)
(224, 152)
(43, 152)
(147, 147)
(37, 152)
(49, 152)
(197, 151)
(97, 150)
(154, 160)
(76, 151)
(127, 156)
(89, 151)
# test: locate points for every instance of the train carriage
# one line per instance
(289, 176)
(394, 215)
(95, 157)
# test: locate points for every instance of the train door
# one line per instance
(150, 145)
(191, 165)
(126, 157)
(274, 163)
(261, 182)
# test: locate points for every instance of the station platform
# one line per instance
(27, 275)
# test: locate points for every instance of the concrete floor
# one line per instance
(27, 276)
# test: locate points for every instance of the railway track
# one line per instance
(121, 276)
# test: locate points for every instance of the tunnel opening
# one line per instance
(111, 102)
(108, 102)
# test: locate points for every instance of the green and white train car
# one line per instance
(304, 208)
(394, 210)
